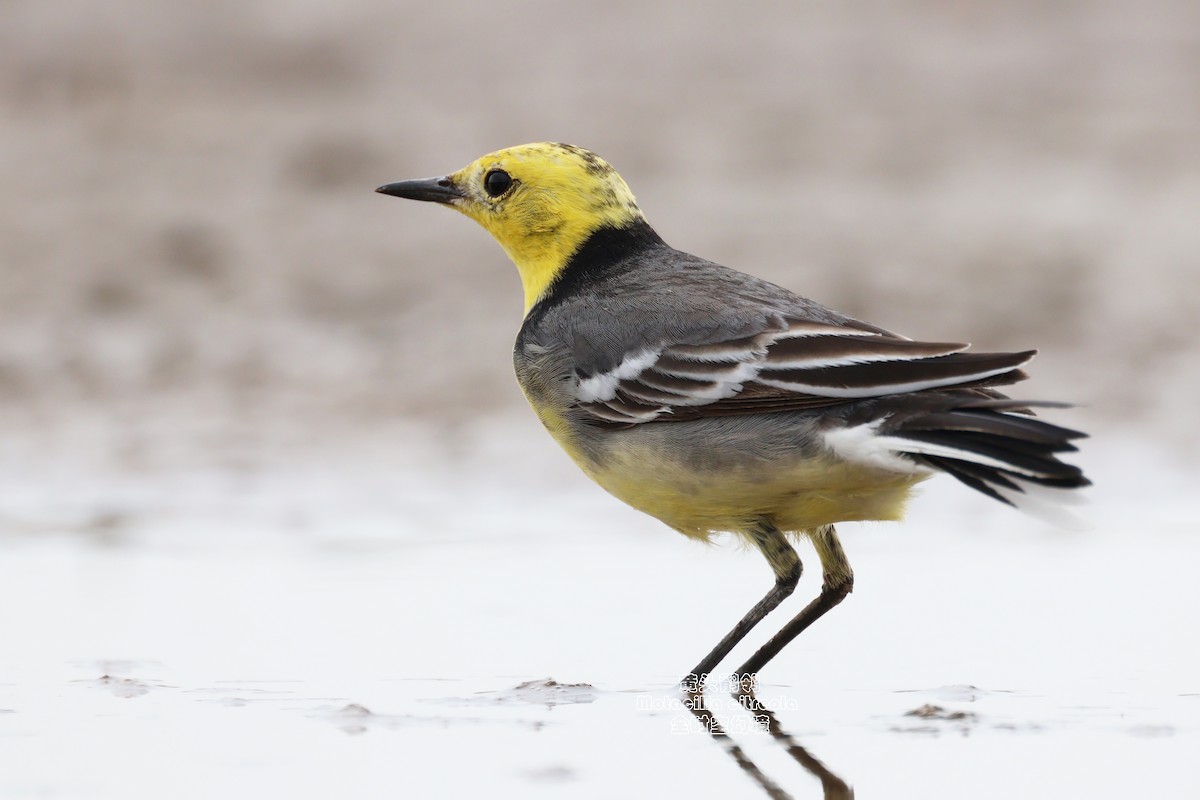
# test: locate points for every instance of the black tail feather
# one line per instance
(988, 447)
(966, 473)
(1054, 437)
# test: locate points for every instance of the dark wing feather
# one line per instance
(792, 365)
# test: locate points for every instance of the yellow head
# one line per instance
(540, 201)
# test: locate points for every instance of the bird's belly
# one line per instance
(797, 496)
(703, 482)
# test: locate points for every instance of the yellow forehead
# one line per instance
(554, 185)
(545, 160)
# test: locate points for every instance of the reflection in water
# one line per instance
(834, 788)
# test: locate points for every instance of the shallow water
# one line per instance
(252, 546)
(309, 638)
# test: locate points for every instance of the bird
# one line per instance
(720, 403)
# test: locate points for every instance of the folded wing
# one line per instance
(794, 365)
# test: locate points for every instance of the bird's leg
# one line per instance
(837, 583)
(786, 565)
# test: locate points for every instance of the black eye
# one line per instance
(497, 182)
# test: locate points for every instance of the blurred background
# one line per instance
(267, 481)
(196, 277)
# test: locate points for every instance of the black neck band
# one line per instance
(604, 250)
